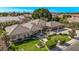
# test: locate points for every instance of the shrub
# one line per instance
(64, 34)
(51, 44)
(48, 38)
(52, 35)
(13, 47)
(62, 42)
(40, 44)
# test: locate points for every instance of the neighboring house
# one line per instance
(73, 19)
(11, 18)
(75, 15)
(19, 32)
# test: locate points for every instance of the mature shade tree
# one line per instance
(66, 16)
(42, 13)
(64, 19)
(56, 18)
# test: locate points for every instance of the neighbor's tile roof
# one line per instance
(73, 19)
(10, 18)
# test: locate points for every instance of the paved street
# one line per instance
(74, 47)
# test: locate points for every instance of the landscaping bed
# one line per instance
(53, 39)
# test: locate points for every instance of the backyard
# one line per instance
(29, 45)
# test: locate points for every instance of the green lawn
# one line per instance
(30, 45)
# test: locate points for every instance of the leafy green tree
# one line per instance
(64, 19)
(42, 13)
(56, 18)
(66, 16)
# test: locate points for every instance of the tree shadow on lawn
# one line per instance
(25, 41)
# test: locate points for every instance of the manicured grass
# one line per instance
(30, 45)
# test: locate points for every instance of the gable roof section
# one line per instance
(9, 29)
(53, 24)
(16, 29)
(27, 25)
(19, 30)
(39, 22)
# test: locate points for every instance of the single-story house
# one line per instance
(19, 32)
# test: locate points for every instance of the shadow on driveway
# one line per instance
(66, 44)
(56, 49)
(77, 38)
